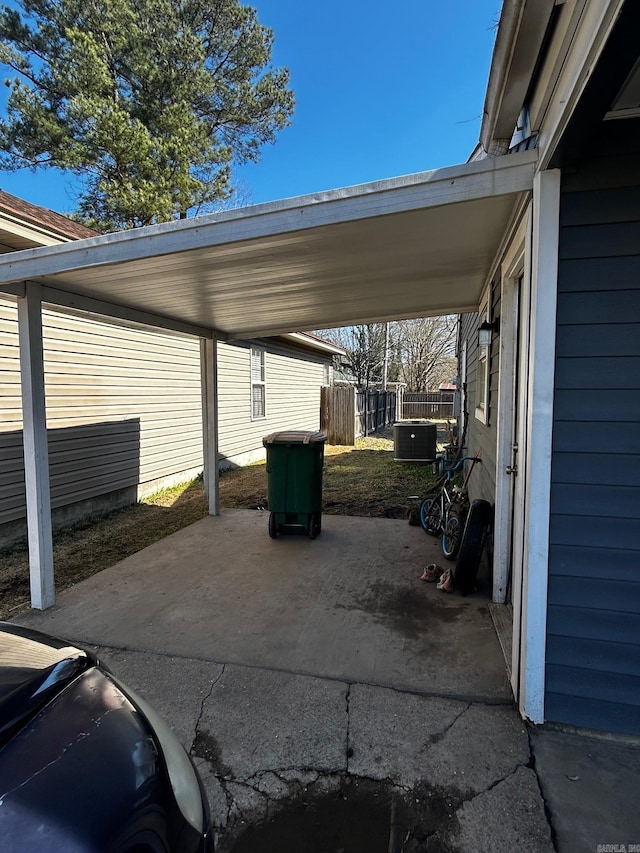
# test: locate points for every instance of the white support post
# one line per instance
(36, 456)
(205, 418)
(542, 344)
(209, 365)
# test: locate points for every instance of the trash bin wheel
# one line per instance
(273, 527)
(313, 528)
(318, 517)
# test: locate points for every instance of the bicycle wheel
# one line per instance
(433, 517)
(452, 536)
(424, 509)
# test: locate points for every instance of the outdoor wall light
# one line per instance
(486, 330)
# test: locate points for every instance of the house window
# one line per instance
(482, 370)
(326, 380)
(258, 388)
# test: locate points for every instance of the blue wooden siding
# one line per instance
(593, 630)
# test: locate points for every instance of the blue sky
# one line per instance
(381, 90)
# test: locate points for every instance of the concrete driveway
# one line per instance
(332, 699)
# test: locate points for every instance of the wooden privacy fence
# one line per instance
(347, 413)
(430, 404)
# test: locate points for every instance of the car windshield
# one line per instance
(32, 669)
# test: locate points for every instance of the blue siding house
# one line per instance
(554, 402)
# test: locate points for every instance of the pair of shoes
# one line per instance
(446, 581)
(432, 573)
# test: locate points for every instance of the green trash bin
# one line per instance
(294, 481)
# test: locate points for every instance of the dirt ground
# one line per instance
(362, 481)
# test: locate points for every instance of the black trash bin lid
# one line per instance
(294, 436)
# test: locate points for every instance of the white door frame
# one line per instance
(533, 253)
(539, 431)
(516, 264)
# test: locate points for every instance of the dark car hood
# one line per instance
(33, 669)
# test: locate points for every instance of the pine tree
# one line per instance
(148, 102)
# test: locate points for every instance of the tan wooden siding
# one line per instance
(124, 405)
(123, 408)
(293, 382)
(10, 396)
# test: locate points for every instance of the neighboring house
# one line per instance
(124, 412)
(553, 400)
(267, 385)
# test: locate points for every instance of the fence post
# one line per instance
(366, 412)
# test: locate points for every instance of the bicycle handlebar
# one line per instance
(449, 472)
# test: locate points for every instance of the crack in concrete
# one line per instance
(260, 774)
(320, 775)
(438, 736)
(547, 810)
(301, 785)
(348, 749)
(471, 699)
(270, 798)
(202, 704)
(493, 784)
(301, 788)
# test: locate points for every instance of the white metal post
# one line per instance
(210, 426)
(36, 456)
(205, 416)
(544, 289)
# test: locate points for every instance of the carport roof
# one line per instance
(412, 246)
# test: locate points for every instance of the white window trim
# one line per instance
(262, 382)
(483, 362)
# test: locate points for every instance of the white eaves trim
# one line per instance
(520, 36)
(595, 22)
(315, 343)
(31, 231)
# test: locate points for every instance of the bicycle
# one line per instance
(445, 511)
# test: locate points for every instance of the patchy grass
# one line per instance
(94, 544)
(364, 481)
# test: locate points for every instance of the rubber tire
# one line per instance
(471, 546)
(422, 512)
(433, 518)
(318, 520)
(452, 536)
(424, 509)
(312, 527)
(273, 527)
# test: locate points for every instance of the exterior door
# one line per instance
(511, 449)
(516, 472)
